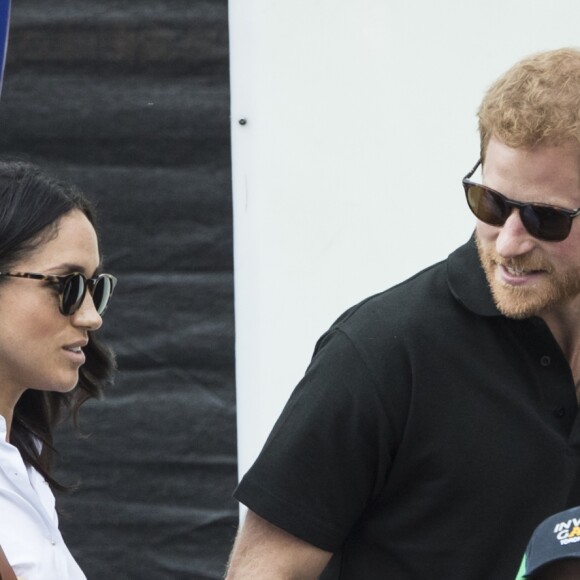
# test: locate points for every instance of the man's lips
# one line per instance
(518, 275)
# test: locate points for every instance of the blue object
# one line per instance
(4, 26)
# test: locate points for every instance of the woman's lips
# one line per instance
(75, 353)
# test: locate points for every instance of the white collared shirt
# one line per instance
(29, 532)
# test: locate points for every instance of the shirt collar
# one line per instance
(2, 428)
(467, 281)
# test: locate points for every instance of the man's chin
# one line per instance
(516, 302)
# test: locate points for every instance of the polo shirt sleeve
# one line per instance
(330, 451)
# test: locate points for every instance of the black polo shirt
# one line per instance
(428, 438)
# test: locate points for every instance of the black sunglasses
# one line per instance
(543, 221)
(72, 289)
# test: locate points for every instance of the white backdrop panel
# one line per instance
(359, 124)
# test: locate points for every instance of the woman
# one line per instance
(52, 298)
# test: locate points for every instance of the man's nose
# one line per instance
(513, 239)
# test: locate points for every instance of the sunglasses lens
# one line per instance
(102, 293)
(487, 206)
(546, 223)
(73, 293)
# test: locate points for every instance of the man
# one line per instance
(554, 549)
(436, 425)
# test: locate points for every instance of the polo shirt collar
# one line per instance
(467, 280)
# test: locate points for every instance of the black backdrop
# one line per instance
(129, 99)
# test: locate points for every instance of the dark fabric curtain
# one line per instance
(129, 100)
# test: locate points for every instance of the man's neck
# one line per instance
(565, 326)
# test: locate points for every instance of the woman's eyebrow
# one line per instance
(69, 268)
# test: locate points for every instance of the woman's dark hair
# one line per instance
(31, 206)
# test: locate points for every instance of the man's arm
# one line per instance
(263, 551)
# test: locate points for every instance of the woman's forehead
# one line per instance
(73, 244)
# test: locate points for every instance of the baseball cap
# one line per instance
(556, 538)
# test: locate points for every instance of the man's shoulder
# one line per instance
(451, 288)
(414, 299)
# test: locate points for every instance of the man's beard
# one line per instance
(553, 289)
